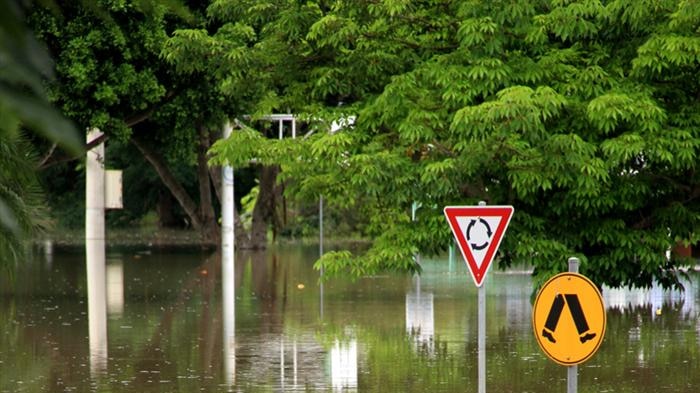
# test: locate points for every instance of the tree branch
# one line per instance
(47, 156)
(145, 115)
(50, 159)
(170, 181)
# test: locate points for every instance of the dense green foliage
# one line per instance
(24, 111)
(22, 210)
(25, 63)
(110, 75)
(581, 114)
(106, 58)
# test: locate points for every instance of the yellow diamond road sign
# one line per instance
(569, 318)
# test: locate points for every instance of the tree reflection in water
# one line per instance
(383, 333)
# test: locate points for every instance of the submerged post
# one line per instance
(451, 256)
(572, 371)
(95, 252)
(481, 340)
(227, 267)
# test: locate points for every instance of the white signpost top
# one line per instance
(478, 231)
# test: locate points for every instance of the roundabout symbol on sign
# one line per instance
(486, 242)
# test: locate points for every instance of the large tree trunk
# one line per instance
(265, 210)
(165, 210)
(209, 232)
(202, 217)
(161, 168)
(179, 192)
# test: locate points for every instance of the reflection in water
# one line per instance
(48, 252)
(344, 366)
(655, 297)
(656, 318)
(420, 321)
(229, 320)
(97, 305)
(115, 287)
(282, 363)
(176, 334)
(295, 365)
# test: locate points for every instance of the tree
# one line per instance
(581, 114)
(253, 54)
(161, 82)
(24, 111)
(110, 75)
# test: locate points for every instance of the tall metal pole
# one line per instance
(227, 268)
(95, 253)
(482, 331)
(320, 228)
(414, 209)
(320, 246)
(572, 371)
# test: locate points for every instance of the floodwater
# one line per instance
(390, 333)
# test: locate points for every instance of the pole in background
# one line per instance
(320, 246)
(414, 209)
(572, 371)
(481, 340)
(95, 253)
(320, 228)
(227, 268)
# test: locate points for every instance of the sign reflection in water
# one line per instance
(115, 287)
(420, 319)
(344, 366)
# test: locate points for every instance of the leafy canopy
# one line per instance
(581, 114)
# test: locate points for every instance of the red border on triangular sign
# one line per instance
(453, 212)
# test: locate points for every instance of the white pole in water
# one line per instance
(95, 253)
(227, 268)
(572, 371)
(481, 340)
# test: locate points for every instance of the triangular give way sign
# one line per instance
(479, 231)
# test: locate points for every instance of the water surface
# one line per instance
(378, 334)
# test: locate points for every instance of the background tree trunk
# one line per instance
(264, 212)
(209, 231)
(188, 205)
(203, 217)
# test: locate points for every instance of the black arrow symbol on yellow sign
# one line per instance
(576, 312)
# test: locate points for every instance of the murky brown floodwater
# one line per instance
(381, 334)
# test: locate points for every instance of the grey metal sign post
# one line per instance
(572, 371)
(478, 231)
(481, 340)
